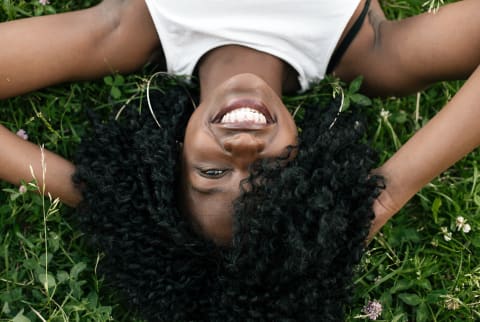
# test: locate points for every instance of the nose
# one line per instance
(244, 146)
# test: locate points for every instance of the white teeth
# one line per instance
(244, 114)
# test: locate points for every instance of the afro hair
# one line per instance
(299, 228)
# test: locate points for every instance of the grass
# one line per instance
(420, 267)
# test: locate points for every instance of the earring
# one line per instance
(339, 109)
(149, 103)
(148, 96)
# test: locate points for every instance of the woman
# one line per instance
(396, 58)
(285, 249)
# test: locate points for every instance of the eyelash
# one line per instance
(218, 173)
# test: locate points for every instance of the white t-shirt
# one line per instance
(303, 33)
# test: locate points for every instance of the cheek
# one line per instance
(196, 124)
(293, 129)
(289, 134)
(289, 128)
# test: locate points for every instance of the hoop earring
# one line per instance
(339, 109)
(149, 103)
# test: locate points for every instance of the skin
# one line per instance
(449, 136)
(398, 57)
(84, 44)
(15, 167)
(216, 157)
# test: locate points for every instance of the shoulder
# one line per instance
(377, 55)
(359, 58)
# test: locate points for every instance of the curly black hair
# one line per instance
(299, 228)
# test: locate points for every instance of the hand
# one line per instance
(384, 208)
(18, 156)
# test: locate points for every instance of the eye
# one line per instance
(213, 173)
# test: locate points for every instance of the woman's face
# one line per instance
(241, 121)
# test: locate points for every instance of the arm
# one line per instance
(449, 136)
(404, 56)
(115, 36)
(16, 157)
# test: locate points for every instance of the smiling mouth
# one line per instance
(244, 115)
(244, 112)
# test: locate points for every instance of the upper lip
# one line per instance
(251, 103)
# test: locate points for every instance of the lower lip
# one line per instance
(254, 104)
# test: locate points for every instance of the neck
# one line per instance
(224, 62)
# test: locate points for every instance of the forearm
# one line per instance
(115, 36)
(448, 137)
(17, 156)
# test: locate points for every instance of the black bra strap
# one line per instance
(342, 48)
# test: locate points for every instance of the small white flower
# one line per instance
(452, 303)
(461, 224)
(22, 189)
(44, 2)
(384, 114)
(447, 235)
(466, 228)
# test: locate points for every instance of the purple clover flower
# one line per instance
(372, 310)
(23, 134)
